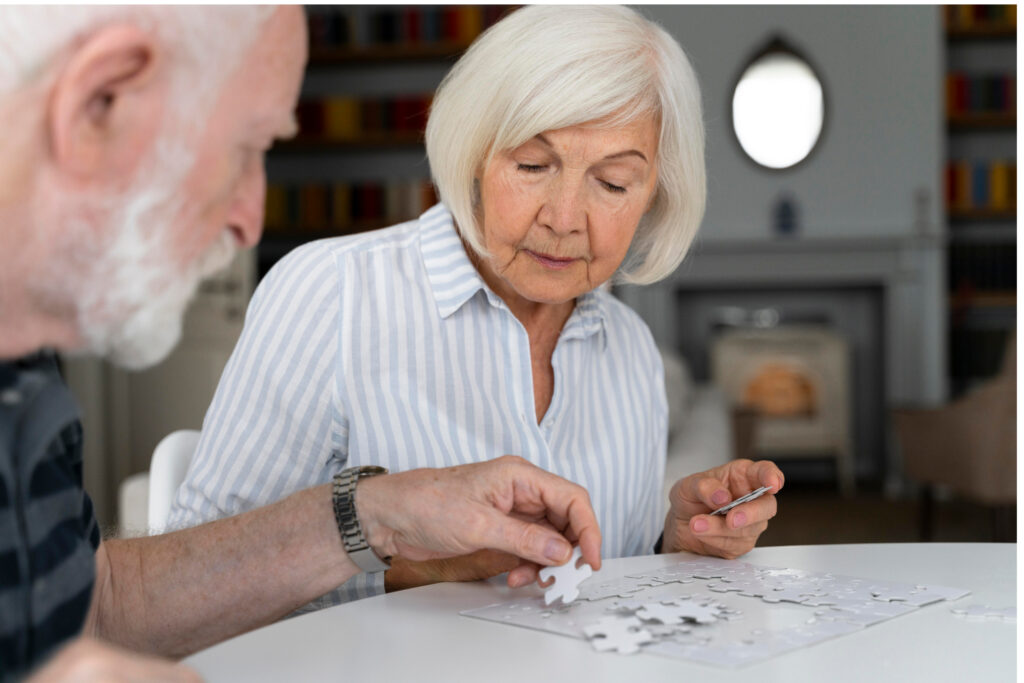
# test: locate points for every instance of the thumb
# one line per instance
(530, 541)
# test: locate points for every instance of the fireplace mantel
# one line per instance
(910, 271)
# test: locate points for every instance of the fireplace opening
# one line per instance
(807, 363)
(796, 380)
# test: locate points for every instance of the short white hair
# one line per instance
(549, 67)
(207, 42)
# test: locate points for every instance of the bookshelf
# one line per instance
(358, 163)
(980, 187)
(313, 144)
(331, 56)
(980, 121)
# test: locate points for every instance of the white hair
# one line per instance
(126, 297)
(207, 43)
(549, 67)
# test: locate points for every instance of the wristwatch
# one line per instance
(359, 551)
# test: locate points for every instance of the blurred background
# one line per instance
(849, 306)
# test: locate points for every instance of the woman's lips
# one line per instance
(551, 261)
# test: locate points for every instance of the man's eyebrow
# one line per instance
(617, 155)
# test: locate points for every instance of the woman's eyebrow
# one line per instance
(624, 153)
(628, 152)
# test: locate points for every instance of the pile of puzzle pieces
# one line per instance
(673, 611)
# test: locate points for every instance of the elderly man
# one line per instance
(130, 166)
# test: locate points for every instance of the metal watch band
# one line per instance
(359, 551)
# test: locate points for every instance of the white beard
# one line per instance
(128, 294)
(145, 305)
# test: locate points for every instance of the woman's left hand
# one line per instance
(688, 526)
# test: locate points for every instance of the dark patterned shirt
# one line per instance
(48, 533)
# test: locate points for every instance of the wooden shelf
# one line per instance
(982, 121)
(299, 234)
(993, 299)
(376, 140)
(990, 32)
(385, 53)
(982, 214)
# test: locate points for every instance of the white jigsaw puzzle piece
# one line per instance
(665, 614)
(567, 579)
(919, 596)
(1008, 614)
(625, 606)
(624, 635)
(615, 588)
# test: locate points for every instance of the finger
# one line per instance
(752, 512)
(714, 532)
(529, 541)
(767, 473)
(590, 547)
(701, 492)
(525, 574)
(568, 507)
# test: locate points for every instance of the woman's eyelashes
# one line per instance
(540, 168)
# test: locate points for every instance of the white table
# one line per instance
(419, 635)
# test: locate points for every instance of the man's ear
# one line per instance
(107, 104)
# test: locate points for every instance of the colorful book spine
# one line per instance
(972, 94)
(348, 118)
(339, 208)
(967, 17)
(987, 185)
(400, 25)
(342, 119)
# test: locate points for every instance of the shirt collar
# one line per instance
(454, 280)
(588, 318)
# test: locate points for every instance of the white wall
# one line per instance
(883, 138)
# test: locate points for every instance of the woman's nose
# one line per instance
(564, 210)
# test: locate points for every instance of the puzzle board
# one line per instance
(734, 613)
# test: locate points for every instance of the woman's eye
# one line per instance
(613, 188)
(531, 168)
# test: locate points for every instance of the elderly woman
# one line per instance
(567, 148)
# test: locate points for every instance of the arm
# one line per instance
(180, 592)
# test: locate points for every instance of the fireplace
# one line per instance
(884, 294)
(796, 379)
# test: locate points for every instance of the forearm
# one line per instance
(180, 592)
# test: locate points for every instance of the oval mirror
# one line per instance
(778, 107)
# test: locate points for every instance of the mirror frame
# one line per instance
(777, 44)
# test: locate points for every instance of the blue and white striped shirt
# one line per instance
(388, 348)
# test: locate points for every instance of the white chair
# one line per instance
(167, 470)
(132, 503)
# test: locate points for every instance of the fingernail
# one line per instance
(739, 519)
(557, 551)
(720, 497)
(700, 526)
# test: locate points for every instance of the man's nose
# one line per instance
(245, 219)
